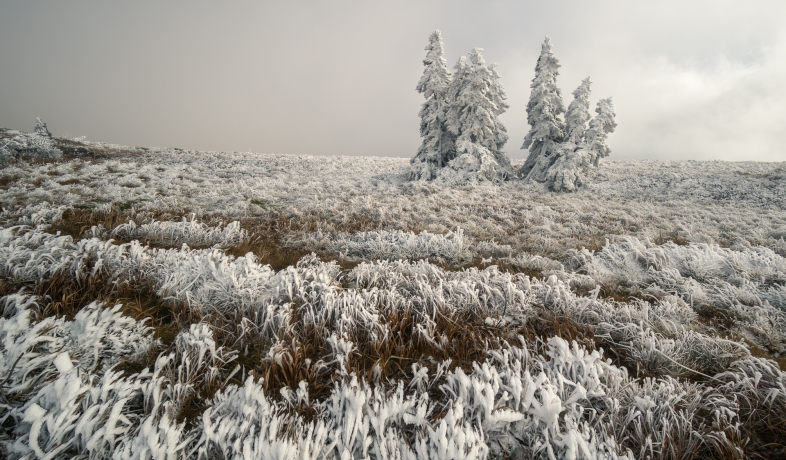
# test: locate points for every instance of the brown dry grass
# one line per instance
(8, 179)
(673, 237)
(75, 222)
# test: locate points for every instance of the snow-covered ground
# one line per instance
(643, 316)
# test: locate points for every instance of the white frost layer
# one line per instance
(746, 283)
(188, 231)
(559, 399)
(392, 245)
(563, 402)
(711, 202)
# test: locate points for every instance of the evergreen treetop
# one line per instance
(436, 76)
(578, 114)
(477, 99)
(599, 127)
(438, 145)
(545, 102)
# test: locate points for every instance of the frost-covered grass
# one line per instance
(165, 304)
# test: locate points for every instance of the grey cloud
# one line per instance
(699, 81)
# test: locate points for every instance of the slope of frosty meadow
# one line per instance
(642, 317)
(711, 202)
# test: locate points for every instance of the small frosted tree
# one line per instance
(578, 153)
(41, 129)
(578, 114)
(476, 99)
(438, 146)
(599, 128)
(543, 115)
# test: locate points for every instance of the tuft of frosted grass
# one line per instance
(188, 231)
(492, 249)
(746, 284)
(391, 245)
(552, 399)
(59, 403)
(98, 338)
(533, 262)
(40, 215)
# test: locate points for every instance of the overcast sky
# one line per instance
(689, 79)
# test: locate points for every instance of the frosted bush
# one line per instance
(492, 249)
(30, 145)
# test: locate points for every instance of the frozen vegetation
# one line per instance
(463, 138)
(38, 144)
(161, 303)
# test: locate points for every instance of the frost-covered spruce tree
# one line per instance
(476, 98)
(599, 128)
(578, 114)
(438, 145)
(573, 159)
(569, 160)
(41, 129)
(543, 115)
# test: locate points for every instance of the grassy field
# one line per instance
(162, 303)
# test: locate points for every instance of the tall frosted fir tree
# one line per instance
(476, 99)
(543, 114)
(438, 146)
(578, 114)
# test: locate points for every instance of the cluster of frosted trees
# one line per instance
(463, 137)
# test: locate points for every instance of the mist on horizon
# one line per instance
(701, 81)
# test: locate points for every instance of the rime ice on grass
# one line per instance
(399, 339)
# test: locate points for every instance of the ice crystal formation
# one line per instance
(162, 303)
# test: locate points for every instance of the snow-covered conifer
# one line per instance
(40, 128)
(573, 157)
(578, 115)
(570, 160)
(438, 145)
(543, 113)
(599, 127)
(476, 98)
